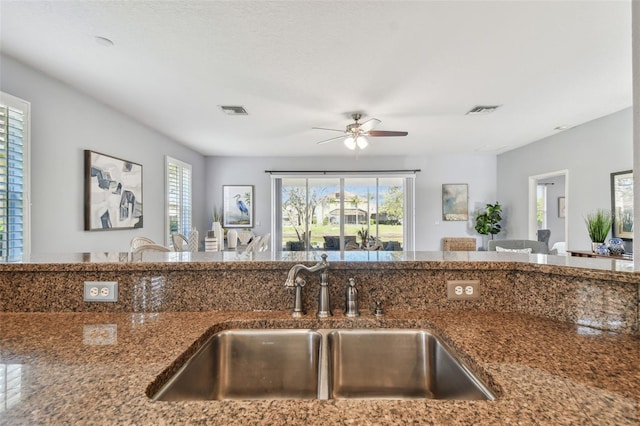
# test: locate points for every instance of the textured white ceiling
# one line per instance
(418, 66)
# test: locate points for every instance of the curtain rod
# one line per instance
(332, 172)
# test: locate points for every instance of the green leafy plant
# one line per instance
(598, 225)
(488, 222)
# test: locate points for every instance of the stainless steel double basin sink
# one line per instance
(244, 364)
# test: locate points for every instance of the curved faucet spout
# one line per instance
(295, 270)
(294, 281)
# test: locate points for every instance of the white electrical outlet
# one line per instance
(100, 291)
(463, 289)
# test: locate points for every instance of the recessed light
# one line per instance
(103, 41)
(233, 110)
(562, 127)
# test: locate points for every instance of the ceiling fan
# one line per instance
(355, 134)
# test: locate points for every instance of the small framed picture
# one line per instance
(561, 207)
(455, 201)
(237, 206)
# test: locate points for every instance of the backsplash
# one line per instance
(593, 298)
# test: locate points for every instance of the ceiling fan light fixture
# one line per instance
(362, 142)
(350, 143)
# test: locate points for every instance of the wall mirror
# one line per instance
(622, 204)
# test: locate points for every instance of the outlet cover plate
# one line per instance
(463, 289)
(100, 291)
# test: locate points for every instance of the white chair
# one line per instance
(244, 237)
(136, 242)
(253, 245)
(151, 247)
(180, 242)
(263, 245)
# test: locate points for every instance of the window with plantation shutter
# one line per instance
(14, 188)
(178, 199)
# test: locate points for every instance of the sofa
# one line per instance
(350, 243)
(535, 246)
(332, 242)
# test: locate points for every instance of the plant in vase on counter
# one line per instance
(598, 227)
(363, 234)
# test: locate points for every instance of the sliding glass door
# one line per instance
(341, 213)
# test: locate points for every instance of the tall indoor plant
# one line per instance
(488, 221)
(598, 227)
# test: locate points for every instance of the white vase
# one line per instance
(232, 239)
(193, 240)
(219, 235)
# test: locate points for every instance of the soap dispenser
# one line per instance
(351, 300)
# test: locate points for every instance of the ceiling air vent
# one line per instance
(482, 109)
(233, 110)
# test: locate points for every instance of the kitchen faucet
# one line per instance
(295, 281)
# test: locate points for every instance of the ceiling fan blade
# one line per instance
(369, 124)
(377, 133)
(329, 140)
(324, 128)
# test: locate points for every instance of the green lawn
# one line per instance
(385, 232)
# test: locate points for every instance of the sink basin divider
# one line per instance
(323, 373)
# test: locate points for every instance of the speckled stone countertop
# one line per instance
(620, 270)
(95, 368)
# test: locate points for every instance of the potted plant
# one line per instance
(488, 222)
(363, 234)
(598, 227)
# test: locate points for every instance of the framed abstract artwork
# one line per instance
(622, 204)
(113, 193)
(237, 206)
(455, 201)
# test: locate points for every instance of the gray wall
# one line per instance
(64, 122)
(590, 152)
(479, 171)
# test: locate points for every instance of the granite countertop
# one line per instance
(610, 269)
(95, 368)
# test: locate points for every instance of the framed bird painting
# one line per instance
(237, 206)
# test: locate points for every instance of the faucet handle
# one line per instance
(379, 310)
(351, 300)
